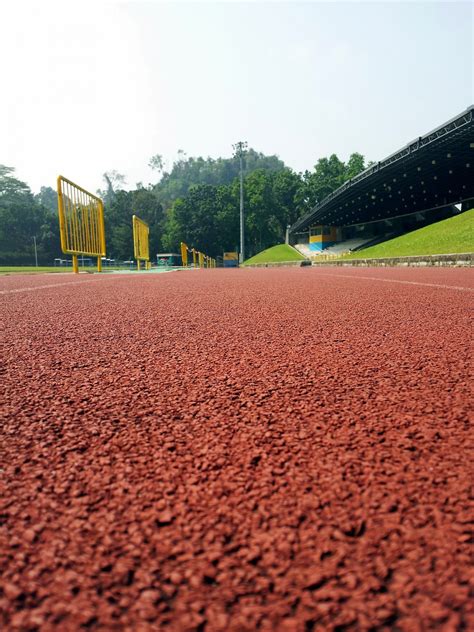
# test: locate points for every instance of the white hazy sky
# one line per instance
(87, 88)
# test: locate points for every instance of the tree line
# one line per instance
(196, 201)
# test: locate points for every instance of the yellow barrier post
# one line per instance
(81, 222)
(141, 248)
(184, 254)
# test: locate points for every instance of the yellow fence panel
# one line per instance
(81, 222)
(199, 258)
(141, 247)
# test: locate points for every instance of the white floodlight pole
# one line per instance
(239, 148)
(36, 252)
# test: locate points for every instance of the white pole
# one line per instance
(36, 252)
(239, 148)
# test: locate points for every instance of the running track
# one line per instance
(280, 449)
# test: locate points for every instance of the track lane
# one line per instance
(230, 449)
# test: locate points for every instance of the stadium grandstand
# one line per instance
(430, 179)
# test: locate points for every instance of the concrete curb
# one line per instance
(458, 259)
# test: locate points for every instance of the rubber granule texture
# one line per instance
(236, 450)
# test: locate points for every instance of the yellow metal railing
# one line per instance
(200, 260)
(141, 246)
(81, 222)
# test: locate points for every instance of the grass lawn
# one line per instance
(449, 236)
(31, 269)
(275, 254)
(43, 269)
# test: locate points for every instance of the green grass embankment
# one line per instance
(276, 254)
(31, 269)
(450, 236)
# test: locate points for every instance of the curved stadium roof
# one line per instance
(433, 171)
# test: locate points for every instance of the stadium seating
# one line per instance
(338, 249)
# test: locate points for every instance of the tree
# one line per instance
(193, 220)
(286, 186)
(156, 163)
(118, 226)
(187, 172)
(261, 219)
(145, 204)
(49, 245)
(22, 217)
(118, 221)
(207, 218)
(271, 205)
(114, 181)
(354, 166)
(48, 197)
(328, 175)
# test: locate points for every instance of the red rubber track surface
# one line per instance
(280, 449)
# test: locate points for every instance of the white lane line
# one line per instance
(51, 285)
(368, 278)
(116, 277)
(41, 287)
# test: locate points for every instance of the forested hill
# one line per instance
(188, 172)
